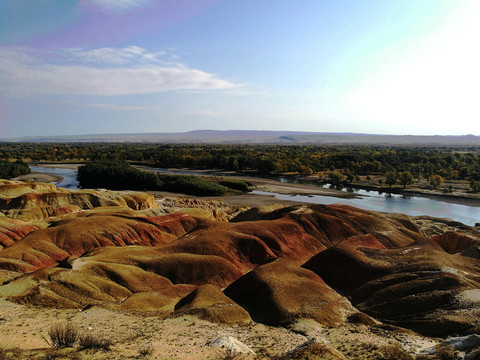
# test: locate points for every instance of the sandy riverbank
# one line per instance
(40, 177)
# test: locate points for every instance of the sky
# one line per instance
(75, 67)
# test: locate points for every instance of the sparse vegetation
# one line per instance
(9, 354)
(229, 354)
(62, 335)
(91, 341)
(394, 352)
(145, 350)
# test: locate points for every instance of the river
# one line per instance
(369, 200)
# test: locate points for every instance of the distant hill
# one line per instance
(259, 137)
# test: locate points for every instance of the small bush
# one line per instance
(394, 352)
(9, 354)
(145, 350)
(90, 341)
(229, 354)
(62, 335)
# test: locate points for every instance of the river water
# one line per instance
(369, 200)
(69, 176)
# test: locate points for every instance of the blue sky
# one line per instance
(109, 66)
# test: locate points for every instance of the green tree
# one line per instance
(350, 177)
(405, 178)
(435, 181)
(336, 177)
(475, 186)
(391, 178)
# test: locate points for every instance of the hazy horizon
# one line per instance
(391, 67)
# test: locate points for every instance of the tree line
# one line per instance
(450, 163)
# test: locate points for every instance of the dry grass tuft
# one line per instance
(394, 352)
(9, 354)
(90, 341)
(62, 335)
(145, 350)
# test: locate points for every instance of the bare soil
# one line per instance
(26, 327)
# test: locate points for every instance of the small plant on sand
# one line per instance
(229, 354)
(394, 352)
(145, 350)
(90, 341)
(9, 354)
(62, 335)
(442, 352)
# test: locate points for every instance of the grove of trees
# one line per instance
(10, 169)
(120, 175)
(393, 163)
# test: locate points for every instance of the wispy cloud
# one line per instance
(98, 72)
(111, 56)
(116, 5)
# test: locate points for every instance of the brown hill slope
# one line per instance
(47, 247)
(280, 293)
(420, 287)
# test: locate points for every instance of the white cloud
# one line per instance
(117, 5)
(22, 74)
(112, 56)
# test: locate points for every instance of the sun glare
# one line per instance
(431, 84)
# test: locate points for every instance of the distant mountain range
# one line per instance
(259, 137)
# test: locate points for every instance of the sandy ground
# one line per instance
(40, 177)
(57, 165)
(26, 327)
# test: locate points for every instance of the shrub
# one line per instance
(145, 350)
(62, 335)
(90, 341)
(335, 177)
(10, 354)
(394, 352)
(475, 186)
